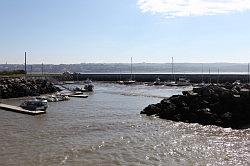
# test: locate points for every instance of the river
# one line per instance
(107, 129)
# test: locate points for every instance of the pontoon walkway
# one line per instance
(19, 109)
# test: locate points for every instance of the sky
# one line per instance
(112, 31)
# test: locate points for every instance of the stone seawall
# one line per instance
(194, 78)
(18, 87)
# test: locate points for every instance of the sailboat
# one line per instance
(179, 82)
(172, 83)
(130, 81)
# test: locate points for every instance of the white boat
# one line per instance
(53, 98)
(120, 82)
(158, 82)
(35, 105)
(89, 87)
(69, 82)
(130, 81)
(170, 83)
(88, 81)
(180, 82)
(183, 82)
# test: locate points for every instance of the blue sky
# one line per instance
(103, 31)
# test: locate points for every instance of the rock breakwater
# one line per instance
(18, 87)
(225, 105)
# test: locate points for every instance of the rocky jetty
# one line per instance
(18, 87)
(226, 105)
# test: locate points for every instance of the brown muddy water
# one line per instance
(107, 129)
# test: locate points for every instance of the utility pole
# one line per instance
(202, 77)
(42, 70)
(209, 76)
(25, 64)
(218, 76)
(173, 76)
(131, 68)
(248, 73)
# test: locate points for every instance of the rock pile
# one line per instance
(12, 88)
(226, 105)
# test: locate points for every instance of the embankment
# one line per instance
(226, 105)
(194, 78)
(19, 87)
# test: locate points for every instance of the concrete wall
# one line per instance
(194, 78)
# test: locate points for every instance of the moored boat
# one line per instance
(89, 87)
(158, 82)
(54, 97)
(128, 82)
(183, 82)
(35, 105)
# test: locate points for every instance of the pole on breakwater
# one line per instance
(25, 64)
(131, 69)
(202, 76)
(218, 76)
(173, 75)
(20, 110)
(209, 75)
(42, 70)
(248, 73)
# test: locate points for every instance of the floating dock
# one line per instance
(19, 109)
(79, 96)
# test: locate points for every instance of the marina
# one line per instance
(125, 83)
(107, 129)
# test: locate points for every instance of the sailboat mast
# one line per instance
(173, 76)
(25, 63)
(209, 76)
(42, 69)
(202, 76)
(248, 72)
(131, 69)
(218, 76)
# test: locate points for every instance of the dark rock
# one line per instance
(151, 110)
(19, 87)
(225, 105)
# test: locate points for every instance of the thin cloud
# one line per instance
(180, 8)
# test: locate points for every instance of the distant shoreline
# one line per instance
(125, 68)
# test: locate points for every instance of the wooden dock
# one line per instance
(19, 109)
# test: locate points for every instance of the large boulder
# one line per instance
(18, 87)
(221, 105)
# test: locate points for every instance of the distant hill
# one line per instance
(137, 68)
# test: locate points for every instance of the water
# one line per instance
(107, 129)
